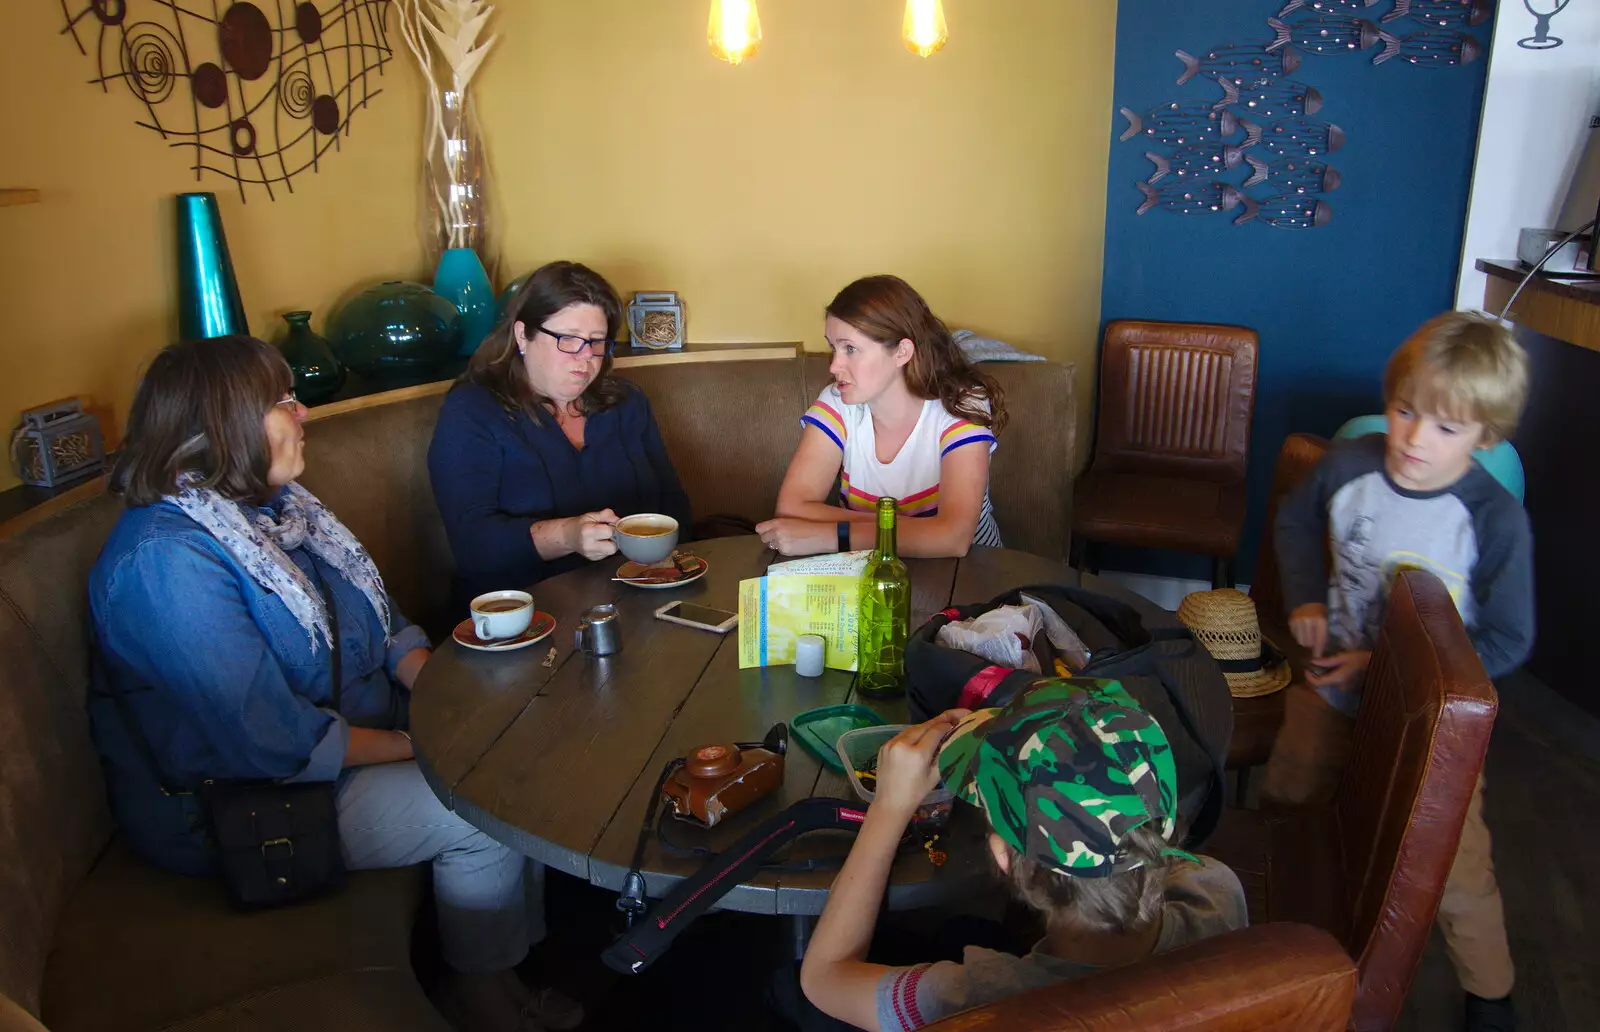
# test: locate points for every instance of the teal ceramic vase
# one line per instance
(208, 294)
(461, 280)
(318, 373)
(510, 293)
(396, 332)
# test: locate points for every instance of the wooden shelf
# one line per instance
(1564, 308)
(628, 357)
(359, 394)
(17, 195)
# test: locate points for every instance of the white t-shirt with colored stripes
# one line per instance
(912, 476)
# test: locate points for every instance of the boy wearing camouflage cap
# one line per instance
(1078, 785)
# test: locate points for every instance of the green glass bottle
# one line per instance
(884, 620)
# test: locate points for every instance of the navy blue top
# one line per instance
(221, 678)
(495, 473)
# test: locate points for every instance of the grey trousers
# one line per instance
(489, 912)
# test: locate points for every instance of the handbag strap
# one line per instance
(136, 730)
(337, 646)
(142, 744)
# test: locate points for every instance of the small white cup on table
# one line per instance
(809, 652)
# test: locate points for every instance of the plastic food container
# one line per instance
(859, 751)
(819, 730)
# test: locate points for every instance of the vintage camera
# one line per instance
(717, 780)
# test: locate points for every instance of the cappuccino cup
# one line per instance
(501, 614)
(646, 538)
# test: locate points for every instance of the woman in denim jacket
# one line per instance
(209, 607)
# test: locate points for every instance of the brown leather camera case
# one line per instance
(718, 780)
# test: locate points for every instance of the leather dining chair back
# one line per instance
(1176, 399)
(1172, 442)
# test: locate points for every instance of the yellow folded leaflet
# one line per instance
(816, 596)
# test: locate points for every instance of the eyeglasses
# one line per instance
(575, 345)
(289, 400)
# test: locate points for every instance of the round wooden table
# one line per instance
(557, 757)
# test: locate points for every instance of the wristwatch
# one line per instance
(844, 535)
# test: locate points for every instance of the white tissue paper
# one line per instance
(1005, 635)
(1073, 652)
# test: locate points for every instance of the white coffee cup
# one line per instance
(647, 537)
(501, 614)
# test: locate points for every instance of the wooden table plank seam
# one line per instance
(646, 774)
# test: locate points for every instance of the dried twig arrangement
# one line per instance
(453, 27)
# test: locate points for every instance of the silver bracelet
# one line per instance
(407, 734)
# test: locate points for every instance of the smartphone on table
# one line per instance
(717, 621)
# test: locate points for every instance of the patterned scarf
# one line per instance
(261, 542)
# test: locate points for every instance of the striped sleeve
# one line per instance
(964, 432)
(825, 416)
(909, 998)
(897, 999)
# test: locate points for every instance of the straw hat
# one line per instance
(1225, 623)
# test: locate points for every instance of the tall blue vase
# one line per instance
(461, 279)
(208, 294)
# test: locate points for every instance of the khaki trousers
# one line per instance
(1308, 759)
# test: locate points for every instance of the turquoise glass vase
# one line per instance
(462, 280)
(318, 373)
(208, 294)
(509, 294)
(397, 333)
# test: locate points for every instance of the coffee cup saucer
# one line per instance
(665, 574)
(539, 629)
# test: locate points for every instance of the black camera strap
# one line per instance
(816, 863)
(646, 940)
(632, 902)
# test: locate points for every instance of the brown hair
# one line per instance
(199, 409)
(1118, 903)
(888, 310)
(497, 366)
(1462, 365)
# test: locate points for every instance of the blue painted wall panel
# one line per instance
(1330, 303)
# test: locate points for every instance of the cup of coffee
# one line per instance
(646, 538)
(501, 614)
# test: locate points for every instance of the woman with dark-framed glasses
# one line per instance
(539, 450)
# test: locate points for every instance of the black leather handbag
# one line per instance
(276, 842)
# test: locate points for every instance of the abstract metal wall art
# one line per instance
(1257, 150)
(260, 93)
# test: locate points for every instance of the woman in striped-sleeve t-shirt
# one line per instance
(906, 416)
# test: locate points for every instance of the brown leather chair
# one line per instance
(1269, 976)
(1370, 866)
(1172, 442)
(1256, 721)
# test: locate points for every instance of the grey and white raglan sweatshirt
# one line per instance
(1472, 535)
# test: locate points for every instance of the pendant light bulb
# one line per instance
(735, 30)
(924, 29)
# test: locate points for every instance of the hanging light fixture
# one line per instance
(735, 30)
(924, 29)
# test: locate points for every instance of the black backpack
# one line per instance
(1154, 656)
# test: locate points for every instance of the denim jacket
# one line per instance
(221, 678)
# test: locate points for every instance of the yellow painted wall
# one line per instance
(756, 191)
(87, 284)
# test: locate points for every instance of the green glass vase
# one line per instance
(318, 373)
(396, 333)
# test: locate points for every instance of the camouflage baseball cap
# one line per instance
(1064, 771)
